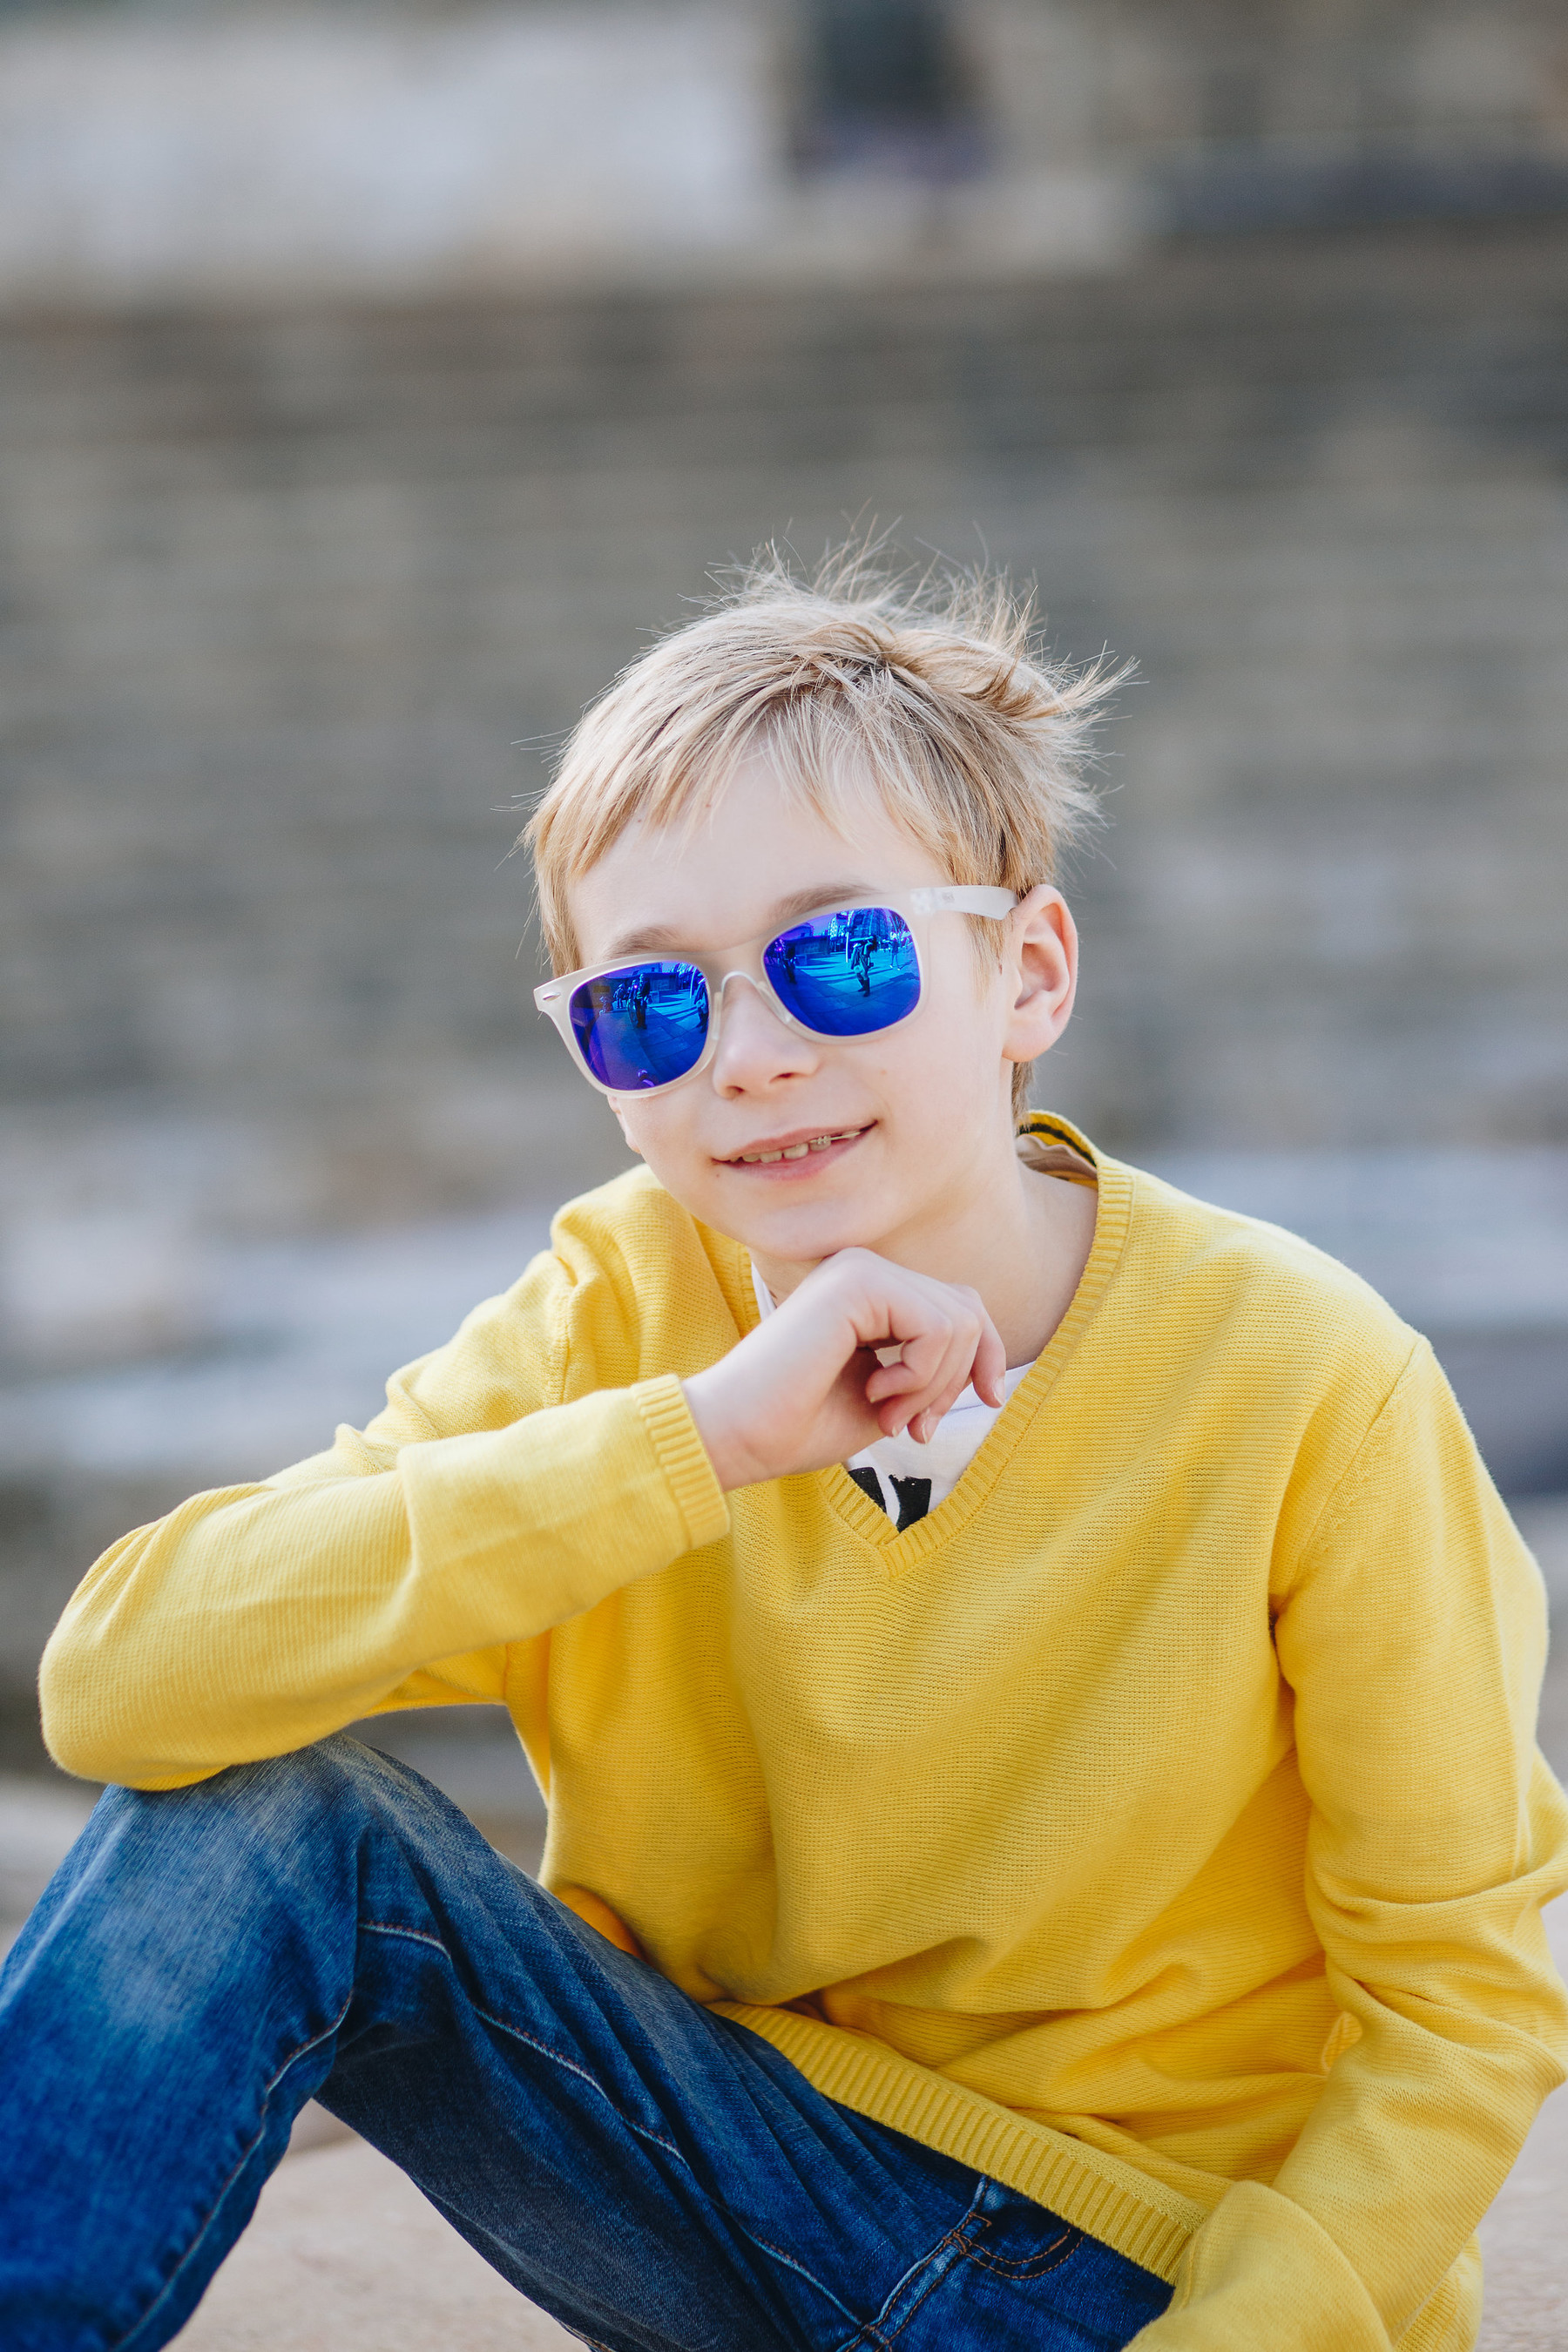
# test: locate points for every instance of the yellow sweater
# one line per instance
(1157, 1826)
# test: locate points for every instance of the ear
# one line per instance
(1041, 964)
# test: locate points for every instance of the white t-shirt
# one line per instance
(907, 1478)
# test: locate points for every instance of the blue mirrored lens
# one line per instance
(847, 973)
(642, 1026)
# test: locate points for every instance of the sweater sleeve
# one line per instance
(477, 1510)
(1413, 1634)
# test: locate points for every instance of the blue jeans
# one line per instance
(328, 1926)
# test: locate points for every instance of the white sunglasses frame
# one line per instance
(554, 997)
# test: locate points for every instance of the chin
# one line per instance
(803, 1237)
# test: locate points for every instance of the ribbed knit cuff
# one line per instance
(683, 1458)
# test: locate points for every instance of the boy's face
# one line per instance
(925, 1108)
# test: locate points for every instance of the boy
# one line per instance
(1034, 1685)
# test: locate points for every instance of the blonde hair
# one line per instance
(934, 694)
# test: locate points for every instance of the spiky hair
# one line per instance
(933, 692)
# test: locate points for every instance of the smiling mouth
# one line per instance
(796, 1151)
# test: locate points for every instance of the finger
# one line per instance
(944, 1340)
(890, 1307)
(913, 1388)
(975, 1357)
(924, 1359)
(990, 1367)
(922, 1424)
(925, 1350)
(987, 1364)
(920, 1411)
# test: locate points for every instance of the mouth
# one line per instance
(791, 1150)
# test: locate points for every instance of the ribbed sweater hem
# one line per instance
(1121, 2207)
(683, 1458)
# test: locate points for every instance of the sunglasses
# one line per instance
(650, 1022)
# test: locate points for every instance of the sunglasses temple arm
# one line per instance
(964, 898)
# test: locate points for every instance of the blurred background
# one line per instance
(374, 376)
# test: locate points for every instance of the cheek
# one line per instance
(657, 1132)
(954, 1049)
(935, 1086)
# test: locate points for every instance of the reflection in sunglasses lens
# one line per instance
(642, 1026)
(849, 973)
(841, 975)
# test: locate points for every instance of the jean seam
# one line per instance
(531, 2040)
(413, 1935)
(790, 2263)
(642, 2131)
(1036, 2265)
(572, 2066)
(312, 2042)
(875, 2338)
(656, 2139)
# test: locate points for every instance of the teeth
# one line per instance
(799, 1150)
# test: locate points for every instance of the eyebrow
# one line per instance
(654, 939)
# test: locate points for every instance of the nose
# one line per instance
(756, 1048)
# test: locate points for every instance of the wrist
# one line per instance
(729, 1457)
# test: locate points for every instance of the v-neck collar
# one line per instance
(1113, 1209)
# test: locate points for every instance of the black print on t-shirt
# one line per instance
(913, 1494)
(914, 1501)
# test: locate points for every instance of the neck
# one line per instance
(1020, 1238)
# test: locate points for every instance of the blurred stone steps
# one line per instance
(293, 601)
(1131, 357)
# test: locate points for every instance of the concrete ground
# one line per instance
(345, 2255)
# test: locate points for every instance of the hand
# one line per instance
(807, 1388)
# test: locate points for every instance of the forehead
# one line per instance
(747, 860)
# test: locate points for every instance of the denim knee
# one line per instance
(265, 1828)
(334, 1774)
